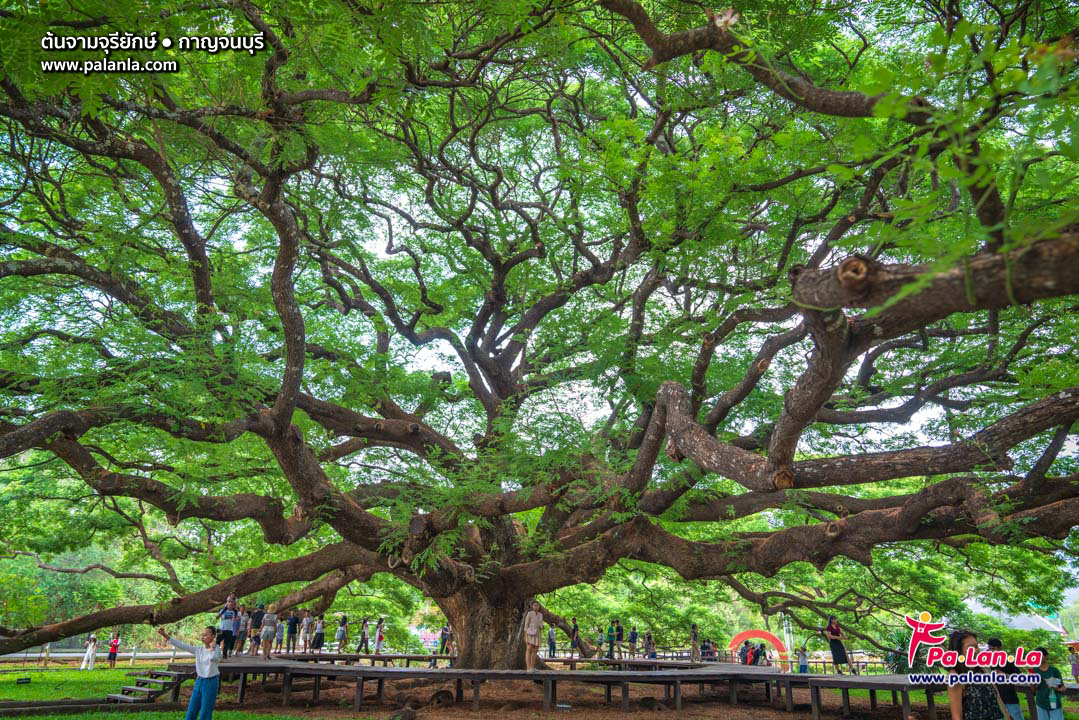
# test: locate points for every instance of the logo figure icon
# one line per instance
(922, 635)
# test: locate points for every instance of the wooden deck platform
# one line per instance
(672, 680)
(673, 676)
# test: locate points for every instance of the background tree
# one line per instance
(428, 297)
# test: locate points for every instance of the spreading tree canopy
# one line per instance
(489, 296)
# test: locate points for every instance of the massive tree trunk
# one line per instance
(487, 621)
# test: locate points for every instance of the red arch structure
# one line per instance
(761, 635)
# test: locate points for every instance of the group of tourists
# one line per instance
(240, 632)
(365, 637)
(749, 654)
(978, 701)
(267, 632)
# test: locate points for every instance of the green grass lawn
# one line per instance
(61, 684)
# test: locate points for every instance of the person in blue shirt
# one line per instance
(227, 619)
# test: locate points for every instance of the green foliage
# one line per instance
(501, 130)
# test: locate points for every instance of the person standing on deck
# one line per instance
(379, 637)
(611, 634)
(363, 646)
(550, 641)
(226, 627)
(834, 633)
(292, 630)
(694, 644)
(207, 674)
(633, 641)
(342, 633)
(574, 638)
(443, 636)
(803, 660)
(320, 634)
(279, 635)
(532, 628)
(243, 627)
(269, 632)
(254, 633)
(307, 626)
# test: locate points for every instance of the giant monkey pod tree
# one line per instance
(490, 296)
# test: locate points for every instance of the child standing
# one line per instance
(803, 660)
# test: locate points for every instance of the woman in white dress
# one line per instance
(91, 653)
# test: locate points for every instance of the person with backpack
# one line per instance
(633, 641)
(254, 634)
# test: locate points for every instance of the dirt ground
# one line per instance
(525, 701)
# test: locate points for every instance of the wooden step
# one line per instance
(169, 673)
(138, 689)
(126, 699)
(156, 681)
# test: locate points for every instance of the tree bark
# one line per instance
(486, 623)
